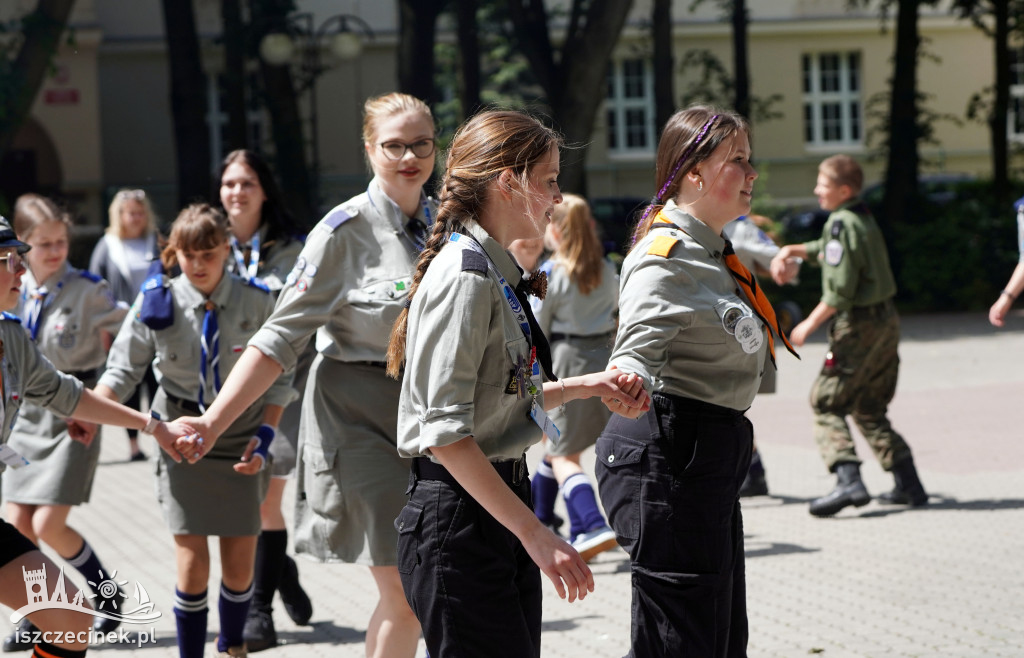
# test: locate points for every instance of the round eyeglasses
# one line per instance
(14, 262)
(423, 148)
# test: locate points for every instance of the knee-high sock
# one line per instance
(233, 608)
(545, 490)
(190, 612)
(270, 556)
(47, 650)
(584, 514)
(87, 564)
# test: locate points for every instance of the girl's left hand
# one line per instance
(628, 399)
(82, 431)
(252, 462)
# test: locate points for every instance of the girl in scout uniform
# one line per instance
(470, 549)
(264, 245)
(578, 314)
(123, 257)
(698, 332)
(348, 285)
(71, 315)
(28, 377)
(213, 315)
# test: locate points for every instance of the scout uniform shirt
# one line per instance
(29, 376)
(679, 309)
(348, 284)
(175, 351)
(565, 310)
(854, 261)
(463, 345)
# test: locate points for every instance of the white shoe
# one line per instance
(596, 541)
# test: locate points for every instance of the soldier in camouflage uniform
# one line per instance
(862, 365)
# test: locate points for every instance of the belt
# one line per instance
(556, 336)
(85, 375)
(190, 406)
(706, 409)
(881, 309)
(512, 471)
(375, 364)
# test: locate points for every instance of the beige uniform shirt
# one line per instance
(348, 284)
(29, 377)
(672, 311)
(565, 310)
(77, 309)
(462, 346)
(175, 351)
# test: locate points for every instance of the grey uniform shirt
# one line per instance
(565, 310)
(462, 345)
(348, 284)
(175, 351)
(78, 307)
(671, 330)
(753, 246)
(28, 376)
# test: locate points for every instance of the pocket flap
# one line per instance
(618, 451)
(408, 519)
(321, 460)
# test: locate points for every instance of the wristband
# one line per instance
(154, 420)
(265, 434)
(1009, 294)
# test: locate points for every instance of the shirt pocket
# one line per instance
(517, 355)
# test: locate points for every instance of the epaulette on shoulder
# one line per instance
(153, 282)
(662, 246)
(473, 261)
(336, 218)
(837, 227)
(259, 283)
(10, 317)
(86, 274)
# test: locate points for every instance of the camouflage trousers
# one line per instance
(859, 380)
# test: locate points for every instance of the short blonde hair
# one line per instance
(124, 195)
(843, 170)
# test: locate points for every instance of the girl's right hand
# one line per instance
(560, 563)
(194, 445)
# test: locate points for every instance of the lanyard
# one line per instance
(506, 289)
(247, 273)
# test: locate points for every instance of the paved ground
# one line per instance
(941, 581)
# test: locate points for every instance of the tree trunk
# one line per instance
(899, 203)
(664, 64)
(42, 30)
(469, 57)
(237, 134)
(741, 62)
(188, 102)
(417, 29)
(1000, 109)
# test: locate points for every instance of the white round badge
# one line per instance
(833, 252)
(748, 333)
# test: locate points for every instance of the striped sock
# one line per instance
(584, 515)
(190, 612)
(233, 608)
(47, 650)
(545, 491)
(87, 564)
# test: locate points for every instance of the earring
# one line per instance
(700, 185)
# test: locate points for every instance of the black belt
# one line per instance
(512, 471)
(375, 364)
(698, 407)
(556, 336)
(190, 406)
(85, 375)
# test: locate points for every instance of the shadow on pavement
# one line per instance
(982, 505)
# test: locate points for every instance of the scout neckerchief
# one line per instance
(748, 284)
(247, 272)
(38, 301)
(209, 347)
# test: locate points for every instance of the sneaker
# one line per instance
(232, 652)
(296, 601)
(594, 541)
(138, 457)
(259, 632)
(754, 485)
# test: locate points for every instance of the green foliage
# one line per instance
(714, 85)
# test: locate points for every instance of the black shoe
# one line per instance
(850, 490)
(138, 457)
(259, 632)
(908, 490)
(754, 485)
(554, 525)
(296, 601)
(107, 604)
(21, 638)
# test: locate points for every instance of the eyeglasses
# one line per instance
(14, 262)
(424, 148)
(132, 194)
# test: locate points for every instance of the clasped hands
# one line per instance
(183, 440)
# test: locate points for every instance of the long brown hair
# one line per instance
(689, 138)
(485, 146)
(579, 250)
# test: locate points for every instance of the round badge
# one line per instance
(731, 317)
(311, 270)
(301, 285)
(748, 334)
(833, 252)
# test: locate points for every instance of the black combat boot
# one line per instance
(259, 632)
(850, 490)
(908, 490)
(754, 484)
(23, 638)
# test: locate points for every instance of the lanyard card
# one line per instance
(10, 457)
(544, 422)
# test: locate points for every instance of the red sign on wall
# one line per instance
(60, 96)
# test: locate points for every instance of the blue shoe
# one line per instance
(598, 540)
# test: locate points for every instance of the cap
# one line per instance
(9, 239)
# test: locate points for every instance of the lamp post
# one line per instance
(342, 35)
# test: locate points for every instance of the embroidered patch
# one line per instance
(833, 252)
(473, 261)
(662, 246)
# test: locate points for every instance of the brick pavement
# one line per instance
(875, 581)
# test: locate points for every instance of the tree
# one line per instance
(237, 133)
(573, 77)
(22, 75)
(188, 102)
(664, 63)
(417, 30)
(469, 56)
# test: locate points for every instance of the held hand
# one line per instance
(167, 436)
(82, 431)
(799, 334)
(631, 390)
(997, 314)
(252, 462)
(560, 562)
(792, 270)
(782, 269)
(196, 443)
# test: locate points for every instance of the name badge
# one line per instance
(545, 423)
(10, 457)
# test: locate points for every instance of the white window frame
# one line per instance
(617, 105)
(217, 121)
(1015, 113)
(816, 99)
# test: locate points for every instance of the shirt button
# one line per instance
(401, 525)
(391, 294)
(611, 458)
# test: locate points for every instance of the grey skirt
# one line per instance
(583, 420)
(351, 481)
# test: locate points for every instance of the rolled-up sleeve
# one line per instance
(132, 352)
(42, 383)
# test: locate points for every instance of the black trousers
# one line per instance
(470, 582)
(669, 483)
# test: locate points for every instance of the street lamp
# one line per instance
(342, 35)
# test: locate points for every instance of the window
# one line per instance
(832, 99)
(217, 119)
(1015, 129)
(630, 107)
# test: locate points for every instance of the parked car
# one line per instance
(616, 217)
